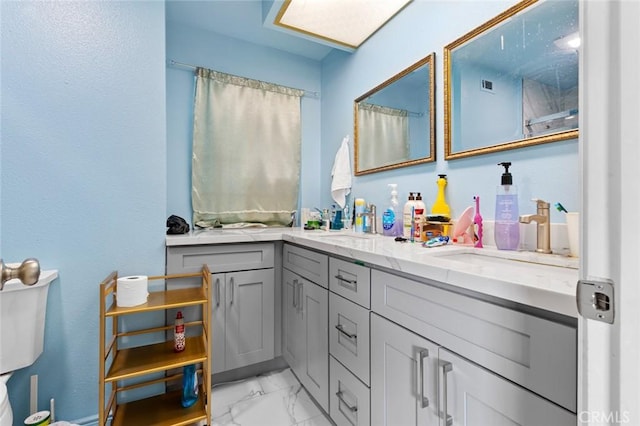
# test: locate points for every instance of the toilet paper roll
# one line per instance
(132, 291)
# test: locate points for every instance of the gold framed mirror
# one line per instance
(513, 81)
(394, 123)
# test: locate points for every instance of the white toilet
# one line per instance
(22, 316)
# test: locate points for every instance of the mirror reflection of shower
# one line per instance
(28, 272)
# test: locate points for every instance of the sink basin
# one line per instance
(515, 262)
(343, 235)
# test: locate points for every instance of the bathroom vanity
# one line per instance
(388, 333)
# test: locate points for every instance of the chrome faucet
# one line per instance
(371, 219)
(28, 272)
(543, 226)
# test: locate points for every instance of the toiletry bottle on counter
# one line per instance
(407, 216)
(178, 334)
(440, 206)
(391, 222)
(361, 205)
(419, 214)
(507, 227)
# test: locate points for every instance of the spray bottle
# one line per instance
(391, 222)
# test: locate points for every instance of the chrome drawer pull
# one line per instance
(349, 407)
(446, 367)
(295, 294)
(217, 291)
(233, 291)
(424, 401)
(342, 330)
(343, 279)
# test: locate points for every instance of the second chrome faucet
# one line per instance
(543, 225)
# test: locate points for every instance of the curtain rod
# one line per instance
(307, 93)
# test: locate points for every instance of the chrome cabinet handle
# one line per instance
(353, 409)
(341, 278)
(424, 401)
(343, 331)
(300, 298)
(295, 294)
(232, 290)
(217, 291)
(446, 368)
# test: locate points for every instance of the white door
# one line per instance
(470, 395)
(315, 313)
(609, 355)
(403, 376)
(249, 317)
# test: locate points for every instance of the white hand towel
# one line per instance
(341, 173)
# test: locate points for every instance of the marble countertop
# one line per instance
(513, 276)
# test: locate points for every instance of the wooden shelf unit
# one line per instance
(118, 364)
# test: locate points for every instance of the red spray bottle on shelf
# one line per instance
(477, 221)
(178, 334)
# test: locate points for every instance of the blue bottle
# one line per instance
(507, 226)
(391, 219)
(189, 385)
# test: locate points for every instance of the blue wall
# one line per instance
(83, 171)
(547, 171)
(90, 167)
(233, 56)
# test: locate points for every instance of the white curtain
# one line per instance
(246, 151)
(384, 132)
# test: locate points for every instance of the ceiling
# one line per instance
(248, 20)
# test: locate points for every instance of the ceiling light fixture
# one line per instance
(570, 41)
(344, 22)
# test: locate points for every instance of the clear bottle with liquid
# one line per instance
(507, 226)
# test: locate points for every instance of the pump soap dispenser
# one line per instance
(507, 227)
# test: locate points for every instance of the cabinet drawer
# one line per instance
(348, 397)
(349, 335)
(220, 257)
(351, 281)
(306, 263)
(539, 354)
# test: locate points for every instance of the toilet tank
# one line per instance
(22, 315)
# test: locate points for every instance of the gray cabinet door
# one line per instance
(403, 376)
(475, 396)
(315, 313)
(292, 323)
(249, 317)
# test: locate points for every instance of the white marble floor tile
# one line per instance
(275, 399)
(277, 380)
(224, 395)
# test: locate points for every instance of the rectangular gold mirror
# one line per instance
(513, 81)
(394, 123)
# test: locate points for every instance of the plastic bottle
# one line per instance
(361, 205)
(419, 216)
(391, 225)
(407, 216)
(189, 386)
(477, 221)
(178, 334)
(507, 227)
(440, 206)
